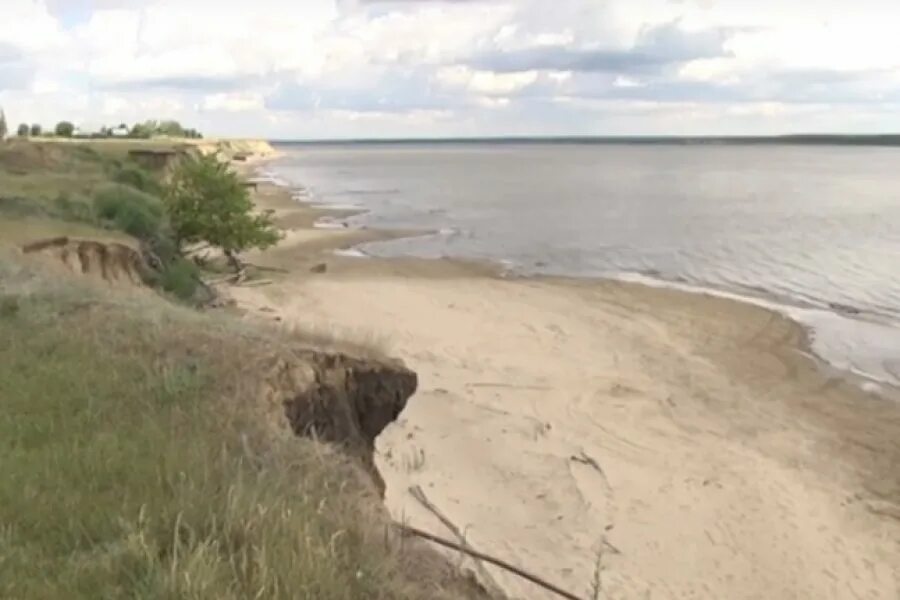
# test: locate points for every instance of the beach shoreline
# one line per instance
(561, 419)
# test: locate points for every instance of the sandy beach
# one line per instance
(687, 444)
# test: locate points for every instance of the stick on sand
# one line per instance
(419, 494)
(494, 561)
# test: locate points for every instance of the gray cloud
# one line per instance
(807, 86)
(656, 48)
(396, 90)
(207, 84)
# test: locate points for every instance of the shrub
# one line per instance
(36, 130)
(133, 211)
(180, 278)
(23, 130)
(138, 178)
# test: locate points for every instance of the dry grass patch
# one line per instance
(136, 464)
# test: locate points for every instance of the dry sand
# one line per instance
(686, 440)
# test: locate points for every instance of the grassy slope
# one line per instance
(34, 175)
(137, 464)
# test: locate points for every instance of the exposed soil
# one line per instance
(110, 261)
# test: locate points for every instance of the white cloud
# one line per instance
(492, 102)
(720, 69)
(319, 66)
(419, 117)
(28, 26)
(484, 82)
(622, 81)
(234, 102)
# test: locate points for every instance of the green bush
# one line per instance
(130, 210)
(180, 278)
(137, 178)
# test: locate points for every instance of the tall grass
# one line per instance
(136, 464)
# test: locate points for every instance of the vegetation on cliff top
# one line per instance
(139, 457)
(138, 462)
(101, 186)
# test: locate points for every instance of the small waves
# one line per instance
(811, 232)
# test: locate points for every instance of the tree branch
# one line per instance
(494, 561)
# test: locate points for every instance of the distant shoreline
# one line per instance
(878, 140)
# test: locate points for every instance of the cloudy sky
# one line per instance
(415, 68)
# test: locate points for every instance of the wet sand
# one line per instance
(690, 442)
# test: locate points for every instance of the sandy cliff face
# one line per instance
(339, 399)
(320, 393)
(110, 261)
(228, 149)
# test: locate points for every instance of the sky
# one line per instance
(327, 69)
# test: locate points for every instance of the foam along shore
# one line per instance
(678, 444)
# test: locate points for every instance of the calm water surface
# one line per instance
(812, 230)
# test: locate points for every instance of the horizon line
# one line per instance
(809, 138)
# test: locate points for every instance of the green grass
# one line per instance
(89, 189)
(138, 463)
(40, 171)
(138, 458)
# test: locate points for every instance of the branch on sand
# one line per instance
(265, 268)
(417, 493)
(490, 559)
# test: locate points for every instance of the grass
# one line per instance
(20, 230)
(42, 171)
(139, 459)
(53, 184)
(89, 189)
(137, 462)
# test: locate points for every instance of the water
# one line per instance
(811, 230)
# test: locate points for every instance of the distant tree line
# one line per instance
(67, 129)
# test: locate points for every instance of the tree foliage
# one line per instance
(169, 128)
(206, 201)
(3, 129)
(64, 129)
(36, 130)
(23, 130)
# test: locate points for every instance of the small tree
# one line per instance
(206, 201)
(23, 130)
(64, 129)
(36, 130)
(3, 130)
(142, 130)
(170, 128)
